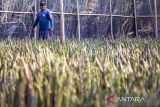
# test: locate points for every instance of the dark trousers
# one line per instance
(44, 35)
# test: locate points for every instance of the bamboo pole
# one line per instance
(46, 2)
(135, 18)
(35, 12)
(0, 10)
(156, 18)
(78, 20)
(85, 14)
(0, 29)
(111, 18)
(62, 36)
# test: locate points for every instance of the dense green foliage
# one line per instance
(78, 73)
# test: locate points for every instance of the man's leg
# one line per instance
(40, 35)
(43, 35)
(46, 35)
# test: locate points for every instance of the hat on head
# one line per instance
(42, 3)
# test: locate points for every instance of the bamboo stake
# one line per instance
(62, 36)
(0, 10)
(35, 11)
(156, 18)
(78, 20)
(111, 18)
(47, 2)
(135, 19)
(0, 29)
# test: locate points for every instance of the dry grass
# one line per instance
(47, 74)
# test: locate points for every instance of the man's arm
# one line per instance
(51, 20)
(36, 22)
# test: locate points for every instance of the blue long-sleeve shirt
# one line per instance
(45, 20)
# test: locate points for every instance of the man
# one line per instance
(44, 18)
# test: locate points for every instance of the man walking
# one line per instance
(44, 18)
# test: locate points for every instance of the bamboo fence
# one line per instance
(78, 14)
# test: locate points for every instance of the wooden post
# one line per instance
(0, 10)
(46, 2)
(135, 18)
(62, 36)
(0, 24)
(35, 13)
(0, 37)
(156, 18)
(78, 20)
(111, 18)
